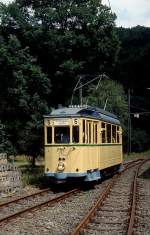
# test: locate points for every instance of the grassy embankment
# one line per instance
(31, 175)
(34, 176)
(145, 155)
(133, 156)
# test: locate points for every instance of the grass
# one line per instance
(31, 175)
(133, 156)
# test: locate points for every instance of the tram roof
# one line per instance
(90, 112)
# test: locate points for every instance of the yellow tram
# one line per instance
(81, 142)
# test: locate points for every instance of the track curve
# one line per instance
(112, 220)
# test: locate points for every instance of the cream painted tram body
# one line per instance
(81, 143)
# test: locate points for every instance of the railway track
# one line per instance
(109, 214)
(21, 205)
(127, 163)
(111, 202)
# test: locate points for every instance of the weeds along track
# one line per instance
(20, 205)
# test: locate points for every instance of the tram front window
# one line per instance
(49, 135)
(62, 135)
(75, 134)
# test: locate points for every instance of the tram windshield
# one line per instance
(62, 135)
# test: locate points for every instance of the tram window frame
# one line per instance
(49, 135)
(75, 134)
(90, 133)
(66, 137)
(109, 133)
(87, 133)
(96, 133)
(95, 137)
(93, 134)
(103, 133)
(118, 135)
(114, 134)
(84, 131)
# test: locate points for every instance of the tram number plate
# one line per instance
(75, 121)
(48, 122)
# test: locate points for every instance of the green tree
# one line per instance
(133, 71)
(134, 55)
(68, 37)
(110, 95)
(140, 140)
(24, 93)
(5, 144)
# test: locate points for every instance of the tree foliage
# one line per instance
(109, 95)
(67, 37)
(139, 140)
(133, 71)
(5, 144)
(24, 88)
(133, 60)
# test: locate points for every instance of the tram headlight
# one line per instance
(61, 166)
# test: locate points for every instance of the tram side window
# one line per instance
(108, 133)
(75, 134)
(62, 135)
(114, 134)
(95, 133)
(49, 135)
(90, 136)
(118, 139)
(84, 131)
(103, 133)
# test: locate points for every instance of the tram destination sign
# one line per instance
(61, 122)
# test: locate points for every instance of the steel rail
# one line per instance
(132, 162)
(133, 203)
(47, 202)
(92, 211)
(59, 198)
(24, 197)
(100, 201)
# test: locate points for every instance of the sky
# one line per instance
(129, 13)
